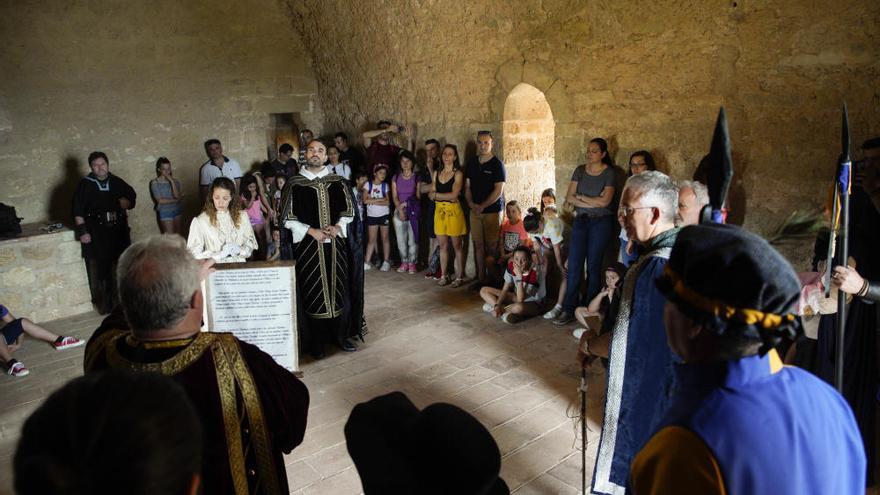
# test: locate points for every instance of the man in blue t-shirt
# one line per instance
(484, 192)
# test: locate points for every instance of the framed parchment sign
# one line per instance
(256, 302)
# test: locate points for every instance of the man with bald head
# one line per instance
(316, 208)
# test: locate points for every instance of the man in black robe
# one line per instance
(252, 410)
(99, 210)
(317, 207)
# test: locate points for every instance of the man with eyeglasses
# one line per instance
(640, 361)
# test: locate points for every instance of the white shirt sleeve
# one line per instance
(195, 243)
(235, 169)
(246, 230)
(298, 230)
(204, 176)
(343, 225)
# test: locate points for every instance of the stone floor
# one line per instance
(430, 342)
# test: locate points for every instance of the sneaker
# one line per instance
(402, 268)
(564, 318)
(17, 369)
(488, 307)
(511, 319)
(553, 313)
(367, 267)
(577, 332)
(385, 266)
(429, 274)
(412, 268)
(67, 343)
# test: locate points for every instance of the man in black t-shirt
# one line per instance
(484, 191)
(348, 153)
(283, 164)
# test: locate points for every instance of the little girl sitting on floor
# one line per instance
(594, 314)
(520, 297)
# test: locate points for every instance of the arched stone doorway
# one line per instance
(528, 139)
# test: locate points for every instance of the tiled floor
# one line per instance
(430, 342)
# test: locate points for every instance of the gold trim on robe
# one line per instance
(233, 375)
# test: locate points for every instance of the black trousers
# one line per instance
(102, 283)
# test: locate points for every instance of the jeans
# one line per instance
(407, 245)
(589, 238)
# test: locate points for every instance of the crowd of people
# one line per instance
(692, 322)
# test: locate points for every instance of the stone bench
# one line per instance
(42, 275)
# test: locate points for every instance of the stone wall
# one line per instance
(140, 80)
(43, 276)
(646, 75)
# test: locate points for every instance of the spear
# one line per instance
(583, 390)
(840, 234)
(719, 173)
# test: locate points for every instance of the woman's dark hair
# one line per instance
(649, 161)
(246, 181)
(161, 161)
(546, 193)
(409, 156)
(603, 145)
(456, 165)
(234, 204)
(111, 432)
(532, 220)
(618, 268)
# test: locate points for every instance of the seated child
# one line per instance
(13, 330)
(521, 294)
(273, 249)
(512, 233)
(593, 315)
(546, 231)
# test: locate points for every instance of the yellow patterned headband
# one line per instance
(767, 321)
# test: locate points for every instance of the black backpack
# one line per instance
(10, 224)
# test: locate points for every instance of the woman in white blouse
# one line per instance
(222, 231)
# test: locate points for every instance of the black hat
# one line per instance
(735, 277)
(441, 449)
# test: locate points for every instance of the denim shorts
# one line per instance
(169, 213)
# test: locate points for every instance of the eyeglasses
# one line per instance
(625, 211)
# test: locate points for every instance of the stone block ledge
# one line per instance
(42, 276)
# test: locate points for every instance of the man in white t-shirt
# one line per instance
(217, 166)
